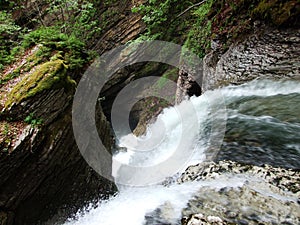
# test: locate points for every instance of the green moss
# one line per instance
(49, 75)
(52, 40)
(10, 76)
(198, 40)
(41, 55)
(277, 12)
(171, 74)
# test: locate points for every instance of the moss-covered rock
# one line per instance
(50, 75)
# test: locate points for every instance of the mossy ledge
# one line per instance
(50, 75)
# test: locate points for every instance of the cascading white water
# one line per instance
(169, 136)
(131, 204)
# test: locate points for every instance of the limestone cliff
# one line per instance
(268, 53)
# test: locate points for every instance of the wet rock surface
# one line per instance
(189, 83)
(162, 215)
(285, 179)
(200, 219)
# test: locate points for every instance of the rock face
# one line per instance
(269, 195)
(188, 84)
(268, 53)
(42, 169)
(42, 173)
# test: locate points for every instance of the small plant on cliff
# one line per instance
(32, 120)
(6, 129)
(7, 134)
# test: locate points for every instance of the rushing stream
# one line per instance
(262, 126)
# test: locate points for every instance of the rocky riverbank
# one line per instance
(269, 196)
(254, 195)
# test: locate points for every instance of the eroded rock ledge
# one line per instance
(286, 179)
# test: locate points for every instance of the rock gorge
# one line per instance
(43, 176)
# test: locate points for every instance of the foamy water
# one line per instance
(130, 205)
(190, 130)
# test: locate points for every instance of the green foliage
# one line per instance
(7, 4)
(202, 11)
(225, 20)
(160, 17)
(171, 74)
(7, 25)
(8, 33)
(198, 40)
(6, 129)
(43, 35)
(32, 120)
(70, 46)
(75, 18)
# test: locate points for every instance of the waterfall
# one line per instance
(265, 109)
